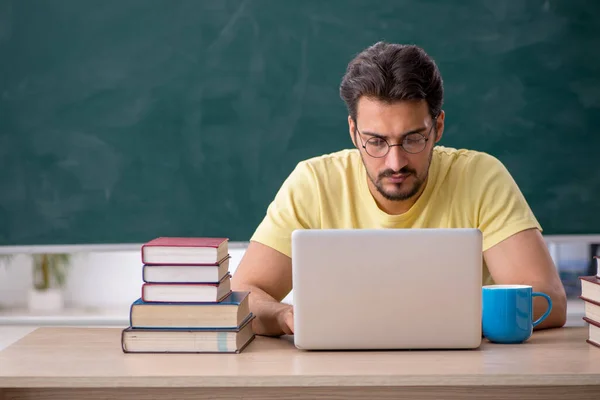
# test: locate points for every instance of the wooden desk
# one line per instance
(88, 363)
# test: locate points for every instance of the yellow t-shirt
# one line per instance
(465, 189)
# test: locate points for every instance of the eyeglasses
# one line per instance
(379, 147)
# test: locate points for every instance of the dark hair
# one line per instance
(392, 72)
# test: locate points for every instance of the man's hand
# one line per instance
(286, 319)
(267, 274)
(524, 259)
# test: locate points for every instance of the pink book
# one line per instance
(594, 332)
(185, 251)
(187, 292)
(590, 288)
(170, 273)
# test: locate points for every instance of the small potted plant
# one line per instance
(49, 276)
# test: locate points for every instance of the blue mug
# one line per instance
(507, 315)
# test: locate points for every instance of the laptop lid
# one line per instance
(387, 288)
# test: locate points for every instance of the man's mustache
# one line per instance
(403, 171)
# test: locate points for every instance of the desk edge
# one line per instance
(302, 381)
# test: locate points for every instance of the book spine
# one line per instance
(123, 341)
(131, 314)
(142, 253)
(590, 341)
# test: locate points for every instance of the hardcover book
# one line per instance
(168, 340)
(226, 314)
(592, 309)
(187, 292)
(594, 333)
(170, 273)
(185, 250)
(590, 288)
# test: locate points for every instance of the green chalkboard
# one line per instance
(123, 120)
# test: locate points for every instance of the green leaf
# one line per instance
(55, 272)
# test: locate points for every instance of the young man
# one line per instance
(397, 177)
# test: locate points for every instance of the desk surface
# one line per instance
(92, 357)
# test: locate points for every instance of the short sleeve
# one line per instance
(501, 208)
(295, 206)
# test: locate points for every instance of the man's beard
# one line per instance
(399, 195)
(402, 195)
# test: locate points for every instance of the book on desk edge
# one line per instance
(245, 324)
(595, 324)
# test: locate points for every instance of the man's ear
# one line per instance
(440, 126)
(352, 130)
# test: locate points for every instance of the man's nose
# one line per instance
(396, 158)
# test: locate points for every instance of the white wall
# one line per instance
(108, 280)
(112, 279)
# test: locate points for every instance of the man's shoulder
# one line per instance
(458, 155)
(339, 162)
(470, 172)
(464, 160)
(344, 156)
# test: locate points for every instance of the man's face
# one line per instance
(399, 175)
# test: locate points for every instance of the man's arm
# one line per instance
(267, 274)
(266, 268)
(524, 259)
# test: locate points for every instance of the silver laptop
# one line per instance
(387, 288)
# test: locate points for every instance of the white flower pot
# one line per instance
(49, 300)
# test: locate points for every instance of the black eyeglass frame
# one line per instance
(389, 146)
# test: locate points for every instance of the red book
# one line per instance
(185, 251)
(594, 335)
(186, 292)
(169, 273)
(590, 288)
(592, 308)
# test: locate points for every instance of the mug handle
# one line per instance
(543, 317)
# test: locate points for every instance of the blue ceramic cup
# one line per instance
(508, 312)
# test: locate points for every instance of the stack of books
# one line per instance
(590, 294)
(186, 304)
